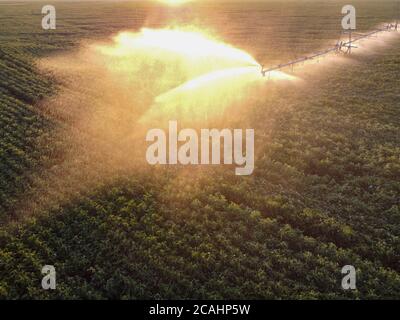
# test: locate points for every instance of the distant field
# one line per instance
(325, 192)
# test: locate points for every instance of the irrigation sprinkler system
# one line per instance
(341, 47)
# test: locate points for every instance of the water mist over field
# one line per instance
(113, 90)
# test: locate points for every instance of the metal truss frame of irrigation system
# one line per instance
(341, 47)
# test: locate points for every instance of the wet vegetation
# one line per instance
(325, 192)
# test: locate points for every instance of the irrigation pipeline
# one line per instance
(341, 47)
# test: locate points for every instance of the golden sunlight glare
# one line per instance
(191, 44)
(174, 2)
(212, 75)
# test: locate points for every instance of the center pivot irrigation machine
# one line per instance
(341, 47)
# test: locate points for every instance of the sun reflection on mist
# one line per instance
(174, 2)
(209, 95)
(192, 74)
(191, 45)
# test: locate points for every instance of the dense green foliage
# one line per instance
(325, 192)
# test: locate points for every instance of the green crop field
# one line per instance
(325, 192)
